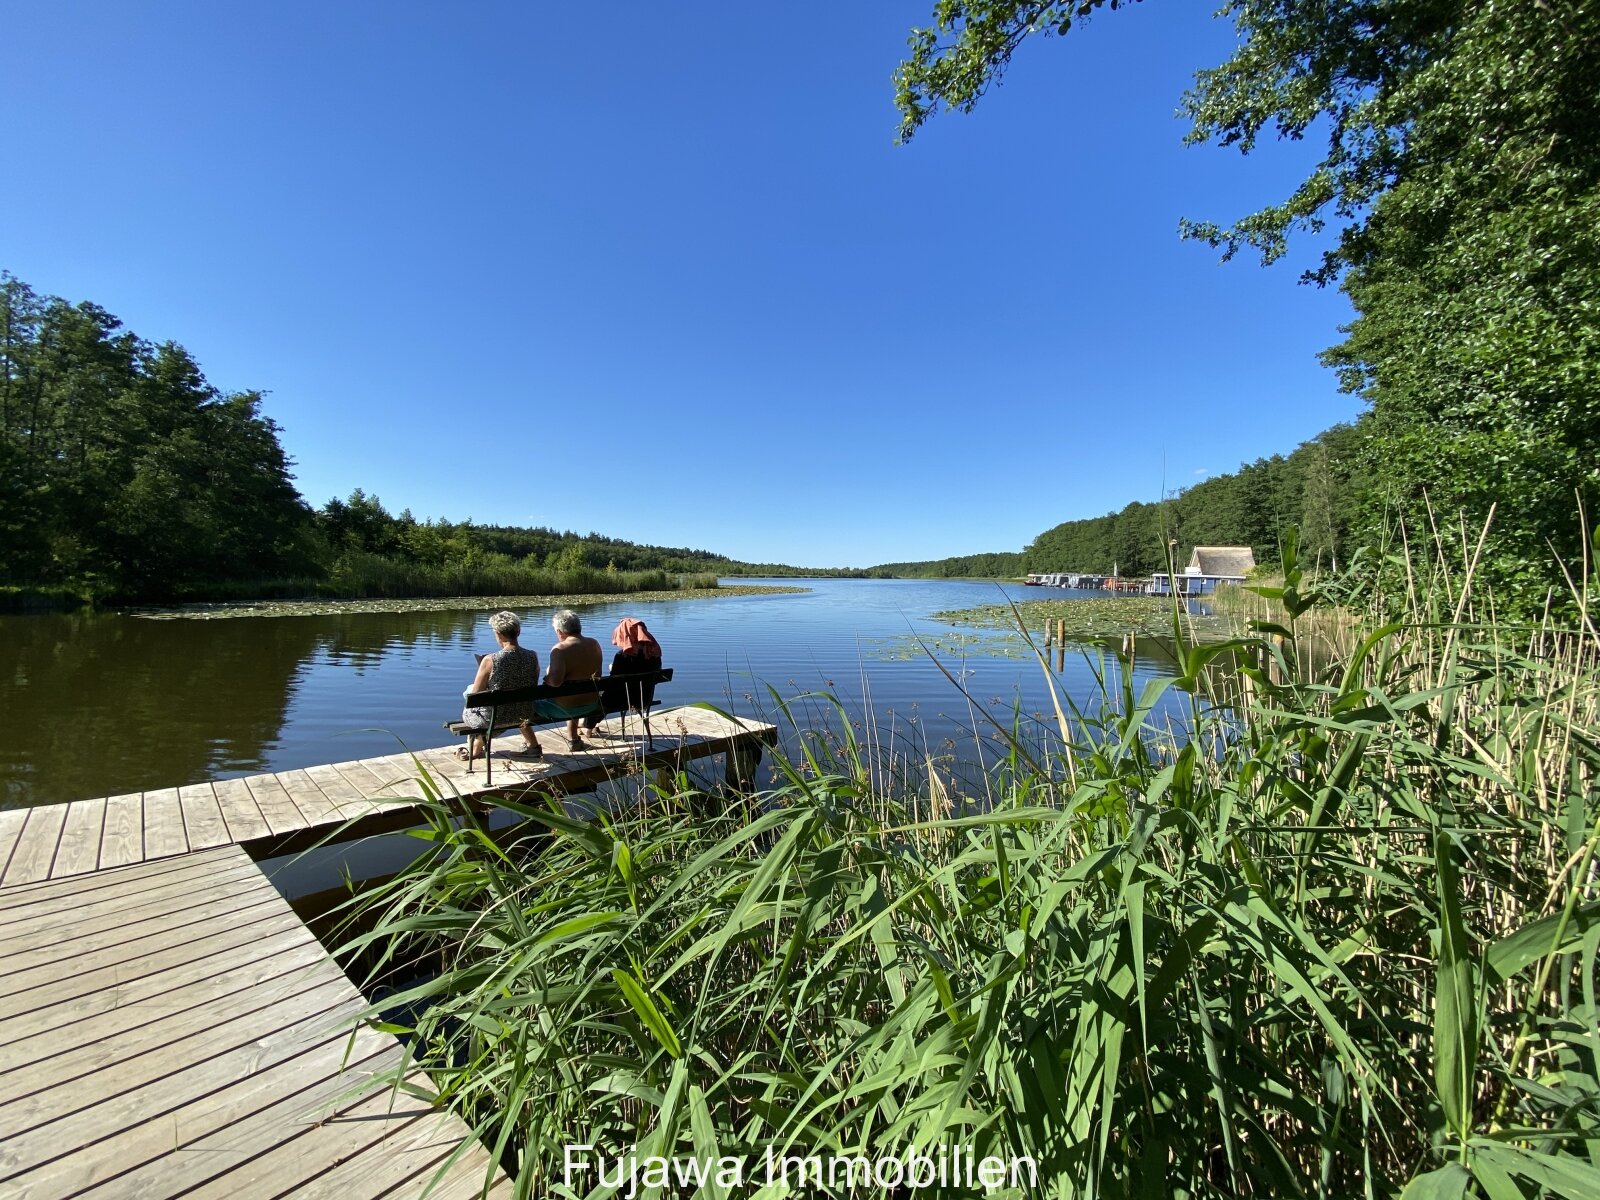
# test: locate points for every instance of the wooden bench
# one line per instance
(612, 693)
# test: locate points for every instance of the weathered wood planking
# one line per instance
(122, 841)
(16, 897)
(11, 823)
(147, 1050)
(298, 807)
(178, 903)
(35, 851)
(163, 825)
(240, 812)
(273, 799)
(79, 851)
(202, 817)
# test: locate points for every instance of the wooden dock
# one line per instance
(287, 811)
(169, 1026)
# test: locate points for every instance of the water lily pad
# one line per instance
(1094, 619)
(323, 608)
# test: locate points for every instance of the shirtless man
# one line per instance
(572, 658)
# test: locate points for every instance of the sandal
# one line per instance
(530, 753)
(461, 754)
(577, 744)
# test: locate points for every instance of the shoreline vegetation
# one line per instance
(126, 478)
(1333, 931)
(336, 607)
(1092, 619)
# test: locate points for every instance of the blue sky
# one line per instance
(483, 258)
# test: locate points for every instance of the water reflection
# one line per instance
(102, 704)
(99, 705)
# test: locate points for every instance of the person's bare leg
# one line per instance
(477, 747)
(573, 739)
(529, 737)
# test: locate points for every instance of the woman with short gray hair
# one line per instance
(509, 667)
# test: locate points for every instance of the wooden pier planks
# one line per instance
(151, 1049)
(35, 851)
(65, 840)
(163, 825)
(169, 1026)
(122, 840)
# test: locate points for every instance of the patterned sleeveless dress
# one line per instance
(510, 668)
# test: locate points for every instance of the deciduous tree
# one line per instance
(1460, 181)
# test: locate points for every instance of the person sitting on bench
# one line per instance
(509, 667)
(572, 658)
(638, 652)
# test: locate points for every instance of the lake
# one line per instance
(102, 704)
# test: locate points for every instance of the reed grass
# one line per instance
(357, 574)
(1329, 931)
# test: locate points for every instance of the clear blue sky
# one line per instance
(471, 251)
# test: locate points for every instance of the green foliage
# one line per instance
(968, 48)
(1005, 564)
(125, 476)
(1462, 174)
(122, 471)
(360, 574)
(1317, 488)
(1332, 935)
(371, 552)
(1477, 277)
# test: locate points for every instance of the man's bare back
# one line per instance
(574, 657)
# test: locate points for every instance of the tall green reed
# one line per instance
(1331, 933)
(359, 574)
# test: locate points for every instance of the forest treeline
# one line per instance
(1318, 489)
(999, 564)
(123, 473)
(125, 476)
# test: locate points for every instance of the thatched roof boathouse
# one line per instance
(1208, 566)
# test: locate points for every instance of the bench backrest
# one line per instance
(612, 688)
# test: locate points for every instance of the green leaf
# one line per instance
(1447, 1183)
(640, 1000)
(1455, 1027)
(1562, 1174)
(1540, 939)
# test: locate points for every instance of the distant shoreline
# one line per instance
(382, 604)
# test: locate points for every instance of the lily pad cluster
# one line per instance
(325, 608)
(1093, 619)
(955, 644)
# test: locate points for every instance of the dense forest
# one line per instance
(125, 476)
(123, 472)
(1000, 564)
(1319, 489)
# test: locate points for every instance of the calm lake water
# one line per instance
(99, 705)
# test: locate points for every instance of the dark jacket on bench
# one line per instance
(635, 696)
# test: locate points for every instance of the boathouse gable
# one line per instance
(1208, 567)
(1222, 562)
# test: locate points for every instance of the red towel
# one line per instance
(631, 637)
